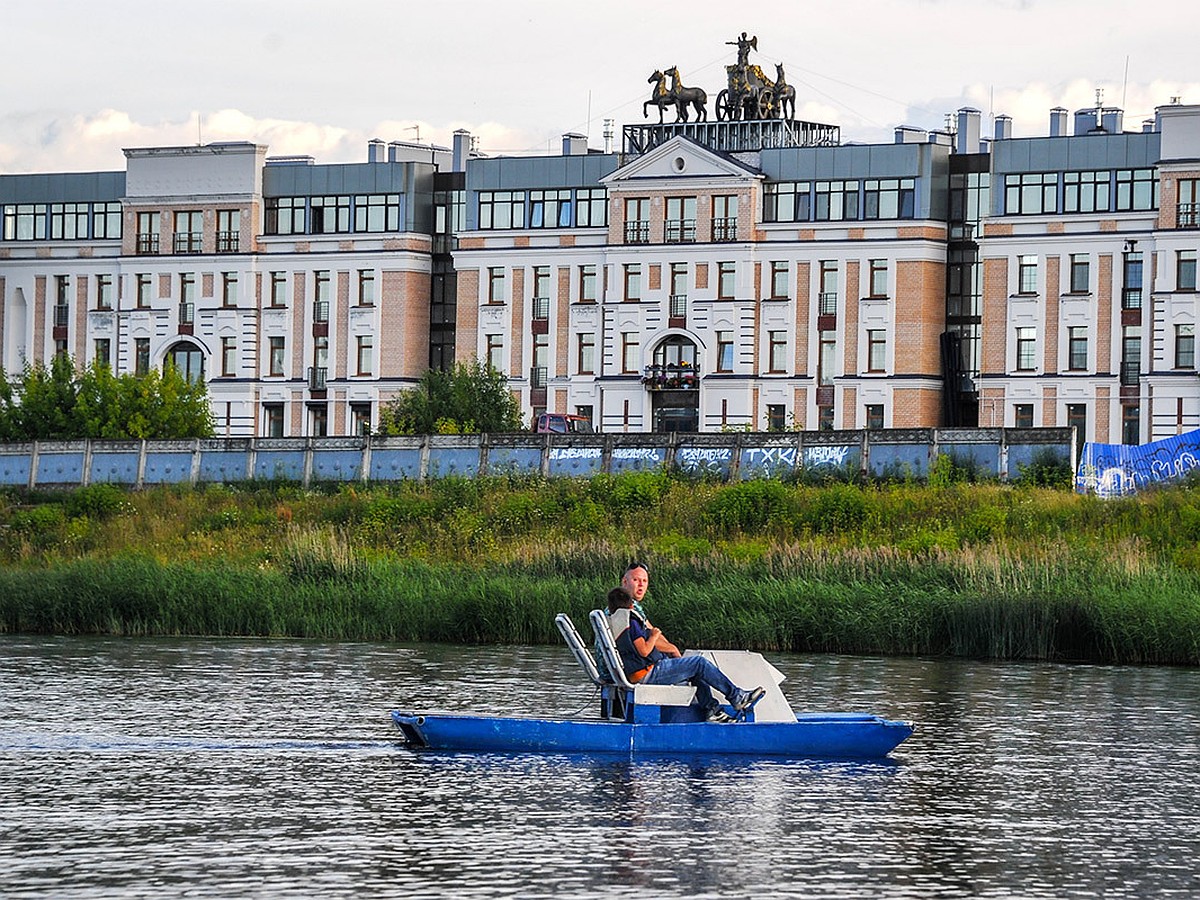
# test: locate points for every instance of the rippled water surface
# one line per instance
(207, 768)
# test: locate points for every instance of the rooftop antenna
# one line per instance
(608, 134)
(1125, 82)
(417, 129)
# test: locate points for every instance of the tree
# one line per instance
(56, 403)
(472, 397)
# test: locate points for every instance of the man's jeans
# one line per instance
(697, 671)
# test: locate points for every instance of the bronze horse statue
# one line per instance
(659, 96)
(785, 94)
(687, 95)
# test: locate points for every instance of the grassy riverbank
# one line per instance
(974, 570)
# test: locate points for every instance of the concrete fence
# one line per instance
(992, 452)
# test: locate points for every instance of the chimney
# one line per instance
(941, 138)
(1085, 121)
(968, 131)
(1148, 126)
(462, 150)
(1113, 120)
(1003, 128)
(1058, 122)
(393, 151)
(574, 144)
(908, 134)
(375, 151)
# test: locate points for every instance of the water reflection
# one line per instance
(212, 768)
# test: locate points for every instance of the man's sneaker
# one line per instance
(748, 699)
(716, 714)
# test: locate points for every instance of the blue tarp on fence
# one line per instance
(1114, 470)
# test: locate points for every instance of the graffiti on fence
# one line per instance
(1115, 470)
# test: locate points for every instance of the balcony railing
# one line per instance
(187, 313)
(671, 377)
(637, 232)
(189, 242)
(678, 307)
(538, 377)
(62, 315)
(725, 229)
(1187, 215)
(1130, 371)
(1131, 298)
(541, 307)
(316, 377)
(147, 245)
(681, 231)
(827, 303)
(320, 310)
(229, 241)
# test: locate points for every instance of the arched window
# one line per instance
(188, 359)
(674, 366)
(676, 351)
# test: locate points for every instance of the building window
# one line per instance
(1085, 192)
(1185, 270)
(229, 288)
(360, 418)
(1022, 415)
(228, 356)
(1027, 274)
(366, 350)
(679, 290)
(549, 209)
(587, 284)
(776, 417)
(541, 293)
(874, 416)
(1077, 348)
(103, 352)
(726, 280)
(591, 207)
(278, 289)
(277, 357)
(1131, 424)
(273, 420)
(321, 296)
(539, 371)
(104, 291)
(826, 357)
(633, 281)
(585, 411)
(68, 221)
(376, 213)
(1031, 193)
(776, 351)
(828, 295)
(106, 221)
(141, 356)
(496, 288)
(787, 201)
(329, 215)
(637, 220)
(318, 419)
(889, 198)
(494, 352)
(1131, 291)
(836, 201)
(724, 351)
(630, 355)
(501, 209)
(147, 234)
(187, 359)
(1026, 349)
(825, 418)
(366, 287)
(1131, 354)
(779, 280)
(878, 278)
(229, 230)
(586, 356)
(680, 226)
(876, 349)
(189, 232)
(1187, 209)
(1137, 189)
(142, 290)
(1079, 273)
(725, 217)
(1077, 419)
(1185, 346)
(285, 215)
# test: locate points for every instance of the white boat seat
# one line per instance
(656, 694)
(579, 650)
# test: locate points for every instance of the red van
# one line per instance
(561, 423)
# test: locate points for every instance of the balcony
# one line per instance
(1130, 372)
(321, 311)
(725, 229)
(1131, 298)
(637, 232)
(229, 241)
(540, 307)
(187, 317)
(147, 245)
(671, 377)
(62, 315)
(678, 306)
(316, 378)
(539, 377)
(681, 231)
(1187, 215)
(827, 303)
(189, 242)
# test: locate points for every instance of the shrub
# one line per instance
(837, 508)
(98, 502)
(750, 505)
(1046, 468)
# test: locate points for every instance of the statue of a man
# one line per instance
(744, 47)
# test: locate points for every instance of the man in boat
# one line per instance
(636, 580)
(649, 658)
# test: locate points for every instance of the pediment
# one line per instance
(679, 158)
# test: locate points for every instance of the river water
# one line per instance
(205, 768)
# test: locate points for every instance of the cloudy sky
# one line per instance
(80, 79)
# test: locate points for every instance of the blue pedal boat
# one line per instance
(662, 719)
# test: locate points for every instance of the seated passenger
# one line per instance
(649, 658)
